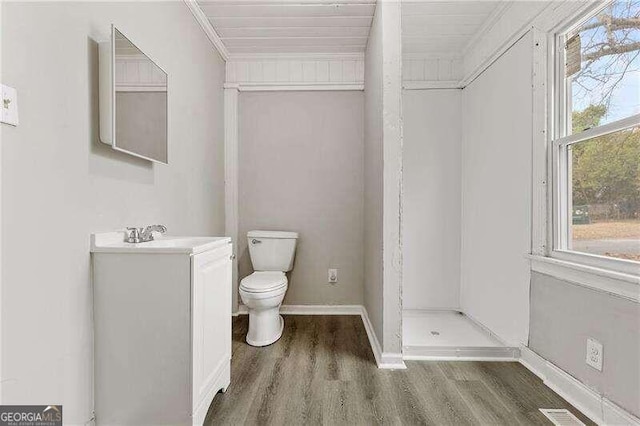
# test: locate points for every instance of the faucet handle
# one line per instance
(146, 234)
(133, 235)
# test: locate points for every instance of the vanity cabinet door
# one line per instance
(211, 323)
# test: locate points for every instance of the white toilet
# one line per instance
(272, 254)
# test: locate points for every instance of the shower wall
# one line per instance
(496, 194)
(432, 198)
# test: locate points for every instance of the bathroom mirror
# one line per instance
(133, 100)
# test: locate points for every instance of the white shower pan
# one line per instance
(441, 335)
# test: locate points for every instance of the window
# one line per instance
(596, 148)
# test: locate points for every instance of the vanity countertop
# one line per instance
(113, 242)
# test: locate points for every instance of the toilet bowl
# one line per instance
(263, 293)
(272, 255)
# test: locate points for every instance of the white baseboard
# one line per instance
(310, 310)
(373, 340)
(392, 361)
(589, 402)
(383, 359)
(321, 309)
(242, 310)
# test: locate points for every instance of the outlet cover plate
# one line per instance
(594, 354)
(332, 276)
(9, 106)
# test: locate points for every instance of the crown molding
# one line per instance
(275, 87)
(297, 56)
(208, 29)
(431, 85)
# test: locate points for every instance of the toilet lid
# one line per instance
(262, 281)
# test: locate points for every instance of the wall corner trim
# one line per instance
(231, 219)
(589, 402)
(384, 360)
(208, 29)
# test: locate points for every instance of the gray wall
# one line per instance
(300, 169)
(373, 175)
(432, 202)
(564, 315)
(59, 184)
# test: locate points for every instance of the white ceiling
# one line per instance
(442, 28)
(437, 28)
(294, 26)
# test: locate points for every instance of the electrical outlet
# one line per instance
(333, 276)
(594, 354)
(9, 105)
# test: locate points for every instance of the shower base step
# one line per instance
(470, 353)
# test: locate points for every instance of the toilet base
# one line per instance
(265, 328)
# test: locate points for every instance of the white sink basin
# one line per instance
(113, 242)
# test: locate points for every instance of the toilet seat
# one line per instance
(263, 282)
(263, 292)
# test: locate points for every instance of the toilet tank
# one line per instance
(272, 250)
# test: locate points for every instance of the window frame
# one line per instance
(561, 139)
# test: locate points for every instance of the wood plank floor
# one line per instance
(322, 371)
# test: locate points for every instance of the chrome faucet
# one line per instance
(140, 235)
(147, 234)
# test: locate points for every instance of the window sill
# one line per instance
(615, 283)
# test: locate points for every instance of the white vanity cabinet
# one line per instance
(211, 325)
(162, 323)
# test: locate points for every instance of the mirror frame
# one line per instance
(107, 94)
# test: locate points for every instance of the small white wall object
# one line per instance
(594, 354)
(332, 276)
(9, 107)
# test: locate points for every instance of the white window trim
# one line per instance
(557, 232)
(614, 283)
